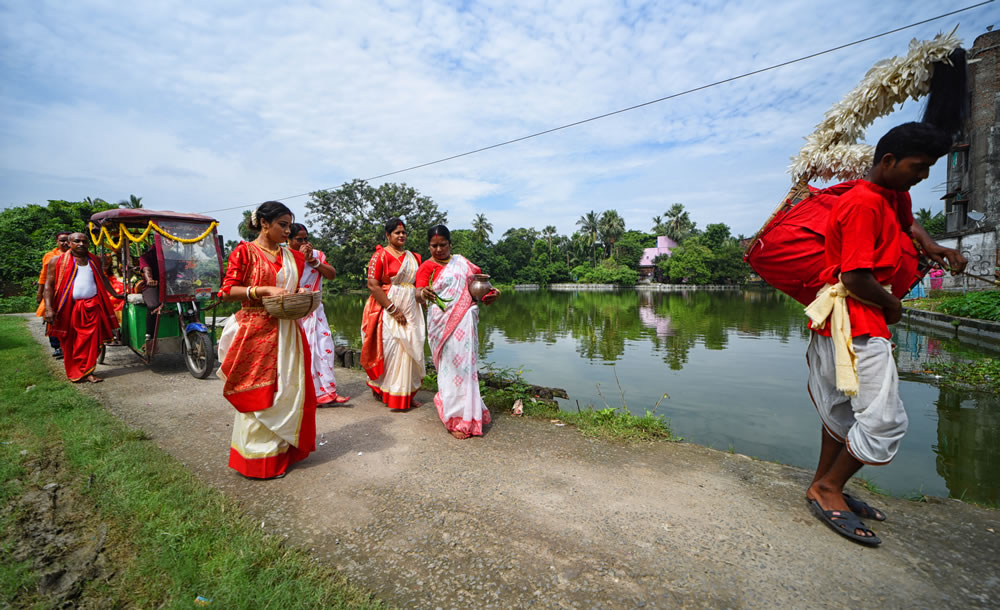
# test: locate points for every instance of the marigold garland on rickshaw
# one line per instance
(105, 235)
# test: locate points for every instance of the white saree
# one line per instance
(403, 346)
(454, 338)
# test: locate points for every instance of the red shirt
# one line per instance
(864, 232)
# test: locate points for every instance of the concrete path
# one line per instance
(536, 515)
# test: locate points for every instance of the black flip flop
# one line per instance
(863, 509)
(844, 523)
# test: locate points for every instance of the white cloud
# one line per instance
(196, 106)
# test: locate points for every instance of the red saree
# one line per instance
(266, 368)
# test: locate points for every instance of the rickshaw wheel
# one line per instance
(200, 360)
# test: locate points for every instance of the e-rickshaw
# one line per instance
(188, 257)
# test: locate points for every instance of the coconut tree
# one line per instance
(548, 233)
(481, 228)
(659, 228)
(611, 227)
(678, 223)
(590, 225)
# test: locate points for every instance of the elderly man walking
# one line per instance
(78, 309)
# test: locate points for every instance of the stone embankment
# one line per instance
(979, 332)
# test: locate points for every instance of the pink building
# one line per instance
(647, 268)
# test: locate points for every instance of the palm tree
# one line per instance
(549, 232)
(590, 224)
(132, 202)
(246, 232)
(658, 227)
(612, 227)
(679, 224)
(481, 228)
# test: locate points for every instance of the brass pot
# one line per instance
(480, 286)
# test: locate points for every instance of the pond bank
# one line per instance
(536, 514)
(978, 332)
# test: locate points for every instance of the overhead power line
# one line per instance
(644, 104)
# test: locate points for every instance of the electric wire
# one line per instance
(643, 104)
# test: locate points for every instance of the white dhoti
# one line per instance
(873, 422)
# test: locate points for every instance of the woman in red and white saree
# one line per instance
(266, 361)
(392, 325)
(454, 335)
(315, 326)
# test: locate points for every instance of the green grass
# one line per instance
(984, 305)
(612, 423)
(181, 537)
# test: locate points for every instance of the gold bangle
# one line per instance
(252, 293)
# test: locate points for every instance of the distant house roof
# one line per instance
(663, 246)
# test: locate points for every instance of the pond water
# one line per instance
(733, 364)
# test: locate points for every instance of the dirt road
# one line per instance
(535, 515)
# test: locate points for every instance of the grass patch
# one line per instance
(982, 374)
(613, 423)
(984, 305)
(19, 304)
(181, 537)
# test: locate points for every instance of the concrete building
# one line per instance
(972, 200)
(647, 264)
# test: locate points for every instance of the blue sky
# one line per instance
(199, 106)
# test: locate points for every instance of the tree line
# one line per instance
(346, 223)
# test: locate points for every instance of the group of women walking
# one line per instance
(277, 371)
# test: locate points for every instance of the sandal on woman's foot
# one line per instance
(341, 399)
(845, 523)
(863, 509)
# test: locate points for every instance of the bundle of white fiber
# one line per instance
(832, 150)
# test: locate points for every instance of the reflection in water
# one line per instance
(733, 364)
(968, 456)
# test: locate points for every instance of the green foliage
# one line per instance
(630, 247)
(712, 257)
(677, 223)
(21, 304)
(934, 224)
(689, 263)
(180, 537)
(612, 423)
(28, 232)
(607, 272)
(353, 217)
(980, 305)
(982, 374)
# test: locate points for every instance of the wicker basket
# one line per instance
(292, 306)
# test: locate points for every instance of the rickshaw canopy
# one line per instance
(113, 232)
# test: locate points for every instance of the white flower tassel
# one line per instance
(832, 150)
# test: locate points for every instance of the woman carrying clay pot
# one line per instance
(443, 283)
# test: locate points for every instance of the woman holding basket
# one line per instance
(392, 325)
(266, 363)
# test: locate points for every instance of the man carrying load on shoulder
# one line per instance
(852, 376)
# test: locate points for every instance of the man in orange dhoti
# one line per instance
(78, 309)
